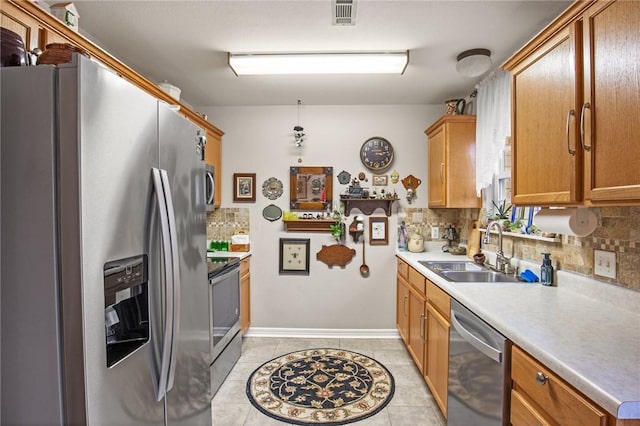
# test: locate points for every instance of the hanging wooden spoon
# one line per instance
(364, 269)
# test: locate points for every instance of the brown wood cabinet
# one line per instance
(540, 396)
(213, 157)
(417, 342)
(436, 372)
(576, 110)
(402, 299)
(422, 316)
(402, 308)
(452, 162)
(245, 293)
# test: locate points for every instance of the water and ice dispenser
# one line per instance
(126, 312)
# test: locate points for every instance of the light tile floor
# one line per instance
(412, 403)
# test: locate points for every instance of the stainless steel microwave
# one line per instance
(210, 187)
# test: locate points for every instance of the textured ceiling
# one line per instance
(186, 43)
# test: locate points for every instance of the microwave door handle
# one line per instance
(488, 350)
(175, 281)
(212, 195)
(161, 378)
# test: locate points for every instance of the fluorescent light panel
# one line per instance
(319, 63)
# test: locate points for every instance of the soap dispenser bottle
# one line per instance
(546, 270)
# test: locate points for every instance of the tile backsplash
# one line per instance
(618, 231)
(222, 223)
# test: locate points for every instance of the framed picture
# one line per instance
(244, 187)
(294, 256)
(378, 231)
(380, 180)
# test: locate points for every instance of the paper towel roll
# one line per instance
(572, 221)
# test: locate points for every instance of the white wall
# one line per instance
(260, 140)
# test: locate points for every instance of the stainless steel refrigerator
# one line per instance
(105, 306)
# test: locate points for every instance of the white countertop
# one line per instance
(592, 342)
(239, 254)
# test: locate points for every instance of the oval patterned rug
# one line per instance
(320, 387)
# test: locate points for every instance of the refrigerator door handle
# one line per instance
(176, 284)
(162, 375)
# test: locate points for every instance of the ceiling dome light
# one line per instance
(474, 62)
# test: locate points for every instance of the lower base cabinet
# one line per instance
(245, 294)
(540, 397)
(422, 317)
(416, 344)
(402, 308)
(436, 373)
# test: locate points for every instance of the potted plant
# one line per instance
(502, 211)
(338, 229)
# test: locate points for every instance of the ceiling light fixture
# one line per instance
(474, 62)
(319, 63)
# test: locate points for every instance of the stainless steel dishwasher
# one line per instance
(479, 365)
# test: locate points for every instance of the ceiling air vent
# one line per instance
(344, 12)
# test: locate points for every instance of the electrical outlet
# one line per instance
(604, 263)
(435, 233)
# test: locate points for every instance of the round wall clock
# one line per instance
(376, 154)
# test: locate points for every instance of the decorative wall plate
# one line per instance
(344, 177)
(272, 212)
(272, 188)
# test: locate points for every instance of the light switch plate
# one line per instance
(435, 233)
(604, 263)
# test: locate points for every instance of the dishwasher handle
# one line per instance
(474, 341)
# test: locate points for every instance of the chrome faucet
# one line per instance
(502, 261)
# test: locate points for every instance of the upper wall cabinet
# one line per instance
(452, 162)
(576, 108)
(213, 157)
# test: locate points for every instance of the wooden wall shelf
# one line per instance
(308, 225)
(367, 206)
(555, 239)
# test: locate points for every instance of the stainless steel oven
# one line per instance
(224, 302)
(210, 187)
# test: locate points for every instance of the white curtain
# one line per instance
(493, 125)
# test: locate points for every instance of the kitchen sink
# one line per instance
(437, 266)
(462, 271)
(486, 276)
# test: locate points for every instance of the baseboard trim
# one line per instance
(311, 333)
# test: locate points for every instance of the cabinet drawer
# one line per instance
(403, 268)
(417, 280)
(439, 299)
(245, 265)
(523, 413)
(560, 401)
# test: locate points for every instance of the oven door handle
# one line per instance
(215, 280)
(474, 341)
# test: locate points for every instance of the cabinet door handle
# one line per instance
(442, 172)
(584, 146)
(541, 378)
(422, 326)
(405, 305)
(570, 114)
